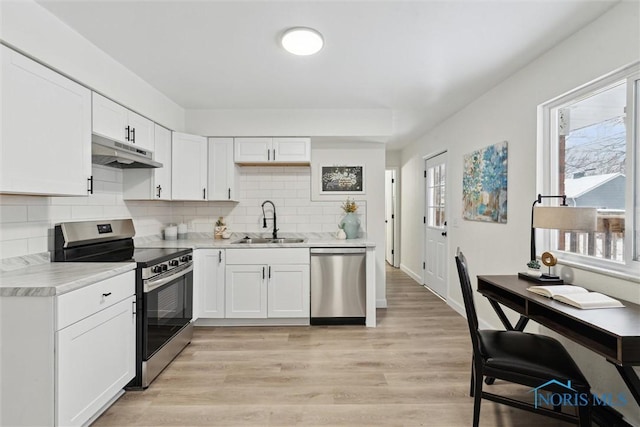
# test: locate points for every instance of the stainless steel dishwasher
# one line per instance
(338, 286)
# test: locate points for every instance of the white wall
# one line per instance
(508, 112)
(33, 30)
(372, 157)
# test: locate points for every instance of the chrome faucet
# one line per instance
(264, 218)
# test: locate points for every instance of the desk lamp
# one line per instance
(561, 217)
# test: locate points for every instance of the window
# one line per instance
(589, 150)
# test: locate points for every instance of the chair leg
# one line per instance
(584, 414)
(477, 397)
(472, 386)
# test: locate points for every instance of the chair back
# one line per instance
(469, 305)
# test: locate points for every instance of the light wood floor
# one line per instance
(412, 370)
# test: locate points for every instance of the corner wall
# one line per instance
(508, 112)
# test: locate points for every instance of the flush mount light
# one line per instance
(302, 41)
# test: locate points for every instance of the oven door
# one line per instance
(168, 307)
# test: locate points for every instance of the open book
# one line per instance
(576, 296)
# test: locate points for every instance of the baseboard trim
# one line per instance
(381, 303)
(411, 273)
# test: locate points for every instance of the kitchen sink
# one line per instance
(259, 240)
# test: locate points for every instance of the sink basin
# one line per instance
(259, 240)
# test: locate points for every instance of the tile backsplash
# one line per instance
(26, 222)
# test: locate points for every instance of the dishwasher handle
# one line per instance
(337, 251)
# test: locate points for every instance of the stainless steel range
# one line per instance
(164, 287)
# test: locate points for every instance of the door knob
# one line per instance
(444, 233)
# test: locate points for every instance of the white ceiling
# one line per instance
(422, 59)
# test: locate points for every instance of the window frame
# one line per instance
(547, 179)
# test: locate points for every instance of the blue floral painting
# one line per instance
(484, 184)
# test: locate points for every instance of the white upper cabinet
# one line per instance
(45, 137)
(223, 173)
(189, 167)
(115, 122)
(151, 184)
(272, 150)
(292, 150)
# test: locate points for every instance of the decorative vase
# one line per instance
(533, 272)
(218, 231)
(351, 225)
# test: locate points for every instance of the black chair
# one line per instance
(519, 357)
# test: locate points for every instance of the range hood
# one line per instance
(106, 152)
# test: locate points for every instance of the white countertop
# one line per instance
(207, 241)
(56, 278)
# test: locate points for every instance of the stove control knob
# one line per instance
(174, 262)
(156, 269)
(164, 267)
(185, 258)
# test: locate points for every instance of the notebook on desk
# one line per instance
(576, 296)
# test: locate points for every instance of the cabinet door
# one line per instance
(288, 290)
(189, 167)
(109, 119)
(252, 150)
(210, 265)
(222, 170)
(95, 358)
(45, 136)
(245, 291)
(291, 150)
(162, 154)
(141, 131)
(151, 184)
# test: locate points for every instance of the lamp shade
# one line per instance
(565, 218)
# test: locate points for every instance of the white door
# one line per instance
(95, 358)
(142, 130)
(222, 170)
(252, 150)
(45, 131)
(211, 269)
(189, 167)
(389, 216)
(288, 291)
(291, 150)
(109, 119)
(435, 262)
(162, 154)
(246, 291)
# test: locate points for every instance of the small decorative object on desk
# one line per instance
(220, 228)
(350, 222)
(533, 268)
(340, 234)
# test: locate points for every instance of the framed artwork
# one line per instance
(341, 179)
(484, 184)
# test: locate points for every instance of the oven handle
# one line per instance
(154, 284)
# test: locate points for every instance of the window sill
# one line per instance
(629, 275)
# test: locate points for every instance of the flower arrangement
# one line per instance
(220, 228)
(349, 206)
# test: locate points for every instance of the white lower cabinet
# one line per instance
(267, 283)
(66, 358)
(209, 277)
(95, 360)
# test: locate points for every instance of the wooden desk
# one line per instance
(611, 332)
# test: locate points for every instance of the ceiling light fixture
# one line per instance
(302, 41)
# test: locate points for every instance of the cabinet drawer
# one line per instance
(268, 256)
(84, 302)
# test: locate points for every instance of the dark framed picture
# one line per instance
(342, 180)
